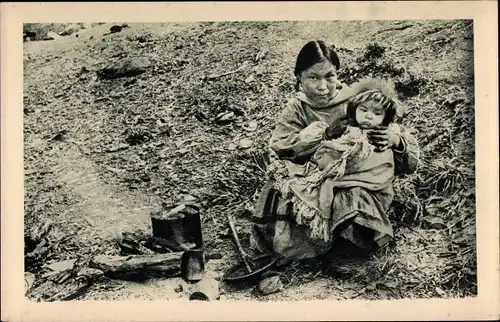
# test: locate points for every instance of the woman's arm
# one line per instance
(402, 142)
(292, 139)
(407, 154)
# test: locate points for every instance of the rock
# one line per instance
(245, 143)
(433, 223)
(440, 291)
(125, 67)
(270, 285)
(119, 147)
(224, 117)
(178, 289)
(251, 126)
(29, 280)
(71, 29)
(117, 28)
(52, 36)
(62, 265)
(208, 289)
(261, 54)
(28, 35)
(249, 79)
(238, 110)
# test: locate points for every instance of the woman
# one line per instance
(317, 113)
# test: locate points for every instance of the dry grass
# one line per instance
(167, 122)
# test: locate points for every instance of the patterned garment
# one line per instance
(338, 166)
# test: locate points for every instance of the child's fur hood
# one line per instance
(385, 86)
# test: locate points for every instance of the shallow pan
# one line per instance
(259, 265)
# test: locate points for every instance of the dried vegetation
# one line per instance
(196, 123)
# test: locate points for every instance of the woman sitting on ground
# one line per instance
(334, 153)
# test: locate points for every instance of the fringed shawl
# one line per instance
(349, 161)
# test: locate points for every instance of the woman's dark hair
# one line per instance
(314, 52)
(389, 105)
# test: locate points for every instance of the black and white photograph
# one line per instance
(257, 160)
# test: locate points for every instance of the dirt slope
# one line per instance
(100, 155)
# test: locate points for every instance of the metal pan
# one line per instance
(259, 265)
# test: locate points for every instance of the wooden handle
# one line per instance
(236, 238)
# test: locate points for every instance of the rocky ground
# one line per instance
(102, 152)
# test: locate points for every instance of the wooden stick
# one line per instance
(115, 264)
(228, 73)
(237, 239)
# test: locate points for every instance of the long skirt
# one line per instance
(359, 218)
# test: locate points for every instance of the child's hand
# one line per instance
(337, 127)
(383, 138)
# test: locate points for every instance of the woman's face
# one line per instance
(319, 82)
(369, 115)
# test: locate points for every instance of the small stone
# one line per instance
(270, 285)
(245, 143)
(370, 288)
(440, 291)
(62, 265)
(208, 289)
(29, 280)
(115, 28)
(119, 147)
(52, 36)
(434, 223)
(225, 117)
(251, 126)
(261, 54)
(249, 79)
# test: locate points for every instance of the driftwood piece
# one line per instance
(136, 263)
(53, 291)
(65, 285)
(39, 243)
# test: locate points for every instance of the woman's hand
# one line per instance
(313, 132)
(337, 127)
(384, 138)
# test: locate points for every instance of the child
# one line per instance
(375, 106)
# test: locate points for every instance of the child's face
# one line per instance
(369, 115)
(319, 82)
